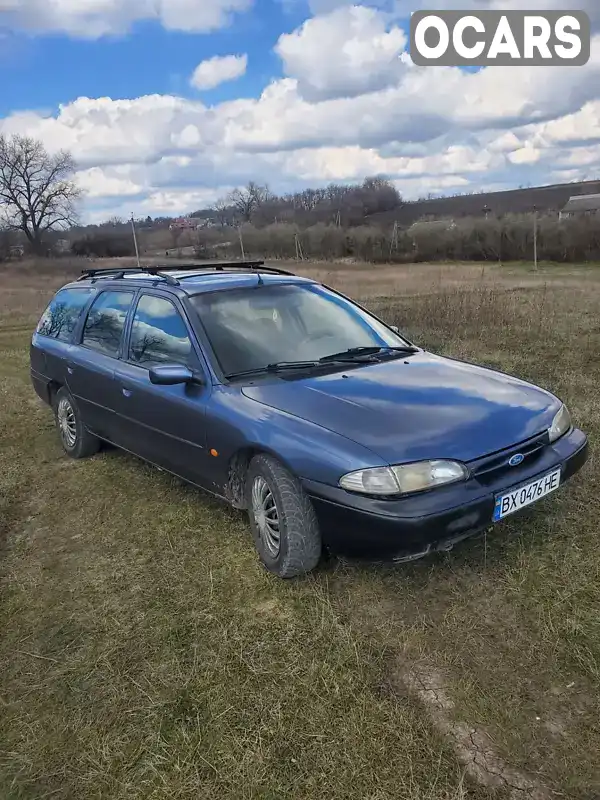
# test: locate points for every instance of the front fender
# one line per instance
(238, 423)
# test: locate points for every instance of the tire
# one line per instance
(77, 442)
(269, 486)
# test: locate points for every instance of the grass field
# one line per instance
(145, 654)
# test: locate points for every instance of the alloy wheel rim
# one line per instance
(67, 423)
(266, 516)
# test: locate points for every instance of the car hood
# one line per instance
(425, 407)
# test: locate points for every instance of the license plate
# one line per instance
(511, 502)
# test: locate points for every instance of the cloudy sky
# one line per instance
(168, 104)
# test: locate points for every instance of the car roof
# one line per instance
(192, 280)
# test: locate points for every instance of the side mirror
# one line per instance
(395, 328)
(172, 375)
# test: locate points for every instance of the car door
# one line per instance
(163, 424)
(90, 364)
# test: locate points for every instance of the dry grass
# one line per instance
(144, 654)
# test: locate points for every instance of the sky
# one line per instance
(167, 105)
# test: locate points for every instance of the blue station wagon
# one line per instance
(289, 400)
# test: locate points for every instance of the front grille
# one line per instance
(488, 469)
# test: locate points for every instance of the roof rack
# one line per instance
(117, 273)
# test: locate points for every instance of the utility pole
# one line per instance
(394, 242)
(535, 238)
(137, 252)
(241, 243)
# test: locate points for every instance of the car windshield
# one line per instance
(252, 328)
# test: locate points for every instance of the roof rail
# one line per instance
(93, 273)
(117, 274)
(233, 266)
(220, 265)
(162, 271)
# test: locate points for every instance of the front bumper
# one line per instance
(362, 527)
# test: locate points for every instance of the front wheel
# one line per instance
(282, 518)
(77, 442)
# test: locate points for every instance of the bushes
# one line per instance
(509, 238)
(103, 245)
(320, 241)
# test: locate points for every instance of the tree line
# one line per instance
(340, 204)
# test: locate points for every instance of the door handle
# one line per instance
(70, 369)
(126, 392)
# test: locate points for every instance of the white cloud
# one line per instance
(525, 155)
(103, 131)
(353, 163)
(364, 55)
(97, 182)
(91, 19)
(325, 6)
(217, 70)
(583, 125)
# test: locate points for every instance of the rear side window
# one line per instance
(159, 334)
(106, 321)
(61, 316)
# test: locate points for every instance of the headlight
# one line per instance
(404, 479)
(561, 424)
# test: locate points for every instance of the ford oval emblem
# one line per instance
(516, 460)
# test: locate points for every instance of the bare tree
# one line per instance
(246, 200)
(222, 211)
(37, 193)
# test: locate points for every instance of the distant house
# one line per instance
(581, 205)
(183, 224)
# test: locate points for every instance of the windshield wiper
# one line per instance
(280, 366)
(355, 355)
(361, 353)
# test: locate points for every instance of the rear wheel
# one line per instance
(77, 442)
(282, 518)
